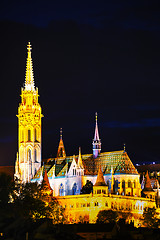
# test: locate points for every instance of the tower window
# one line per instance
(129, 184)
(35, 132)
(29, 135)
(35, 152)
(29, 154)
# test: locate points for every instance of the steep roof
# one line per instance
(147, 185)
(118, 161)
(100, 178)
(45, 182)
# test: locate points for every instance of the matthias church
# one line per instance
(112, 173)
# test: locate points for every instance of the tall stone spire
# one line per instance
(29, 79)
(61, 150)
(96, 141)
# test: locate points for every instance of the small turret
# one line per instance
(96, 141)
(148, 190)
(100, 186)
(100, 178)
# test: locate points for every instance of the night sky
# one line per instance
(88, 56)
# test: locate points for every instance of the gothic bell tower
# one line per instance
(29, 127)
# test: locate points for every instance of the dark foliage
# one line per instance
(107, 216)
(87, 188)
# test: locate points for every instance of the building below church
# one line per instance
(116, 180)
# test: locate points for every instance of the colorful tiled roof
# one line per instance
(119, 161)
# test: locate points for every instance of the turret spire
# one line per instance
(29, 79)
(61, 150)
(96, 134)
(100, 178)
(80, 164)
(96, 141)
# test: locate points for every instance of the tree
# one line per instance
(87, 188)
(125, 215)
(150, 218)
(107, 216)
(6, 188)
(27, 202)
(35, 201)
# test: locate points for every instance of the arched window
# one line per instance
(129, 184)
(134, 184)
(35, 155)
(123, 184)
(29, 135)
(35, 134)
(74, 189)
(22, 135)
(61, 190)
(29, 154)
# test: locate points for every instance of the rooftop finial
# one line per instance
(96, 116)
(60, 133)
(124, 147)
(29, 47)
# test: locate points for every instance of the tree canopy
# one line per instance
(107, 216)
(150, 219)
(87, 188)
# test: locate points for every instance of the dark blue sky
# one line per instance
(88, 56)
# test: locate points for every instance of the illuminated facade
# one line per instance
(116, 181)
(86, 206)
(29, 127)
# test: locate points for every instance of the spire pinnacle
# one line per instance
(80, 164)
(96, 141)
(29, 79)
(61, 150)
(96, 116)
(96, 135)
(60, 133)
(124, 147)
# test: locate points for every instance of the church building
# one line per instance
(117, 181)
